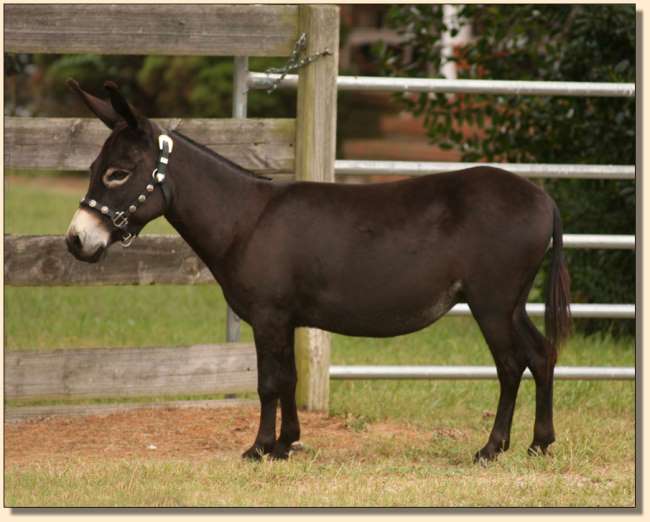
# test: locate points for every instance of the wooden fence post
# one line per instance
(315, 155)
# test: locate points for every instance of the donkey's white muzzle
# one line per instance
(87, 236)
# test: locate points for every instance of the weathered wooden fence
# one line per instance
(303, 148)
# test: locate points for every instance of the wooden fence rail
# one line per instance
(168, 29)
(127, 372)
(45, 261)
(265, 146)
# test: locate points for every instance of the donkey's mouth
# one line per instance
(99, 255)
(75, 249)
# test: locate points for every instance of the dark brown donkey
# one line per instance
(365, 260)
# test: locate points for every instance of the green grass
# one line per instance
(592, 465)
(52, 318)
(397, 477)
(457, 342)
(30, 209)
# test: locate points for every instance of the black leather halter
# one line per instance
(120, 218)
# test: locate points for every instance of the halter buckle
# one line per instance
(162, 139)
(120, 219)
(127, 239)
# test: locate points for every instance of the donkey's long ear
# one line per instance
(120, 104)
(102, 109)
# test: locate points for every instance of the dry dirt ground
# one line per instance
(188, 434)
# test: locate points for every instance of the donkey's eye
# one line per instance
(115, 177)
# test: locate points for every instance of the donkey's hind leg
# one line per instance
(290, 428)
(541, 361)
(510, 362)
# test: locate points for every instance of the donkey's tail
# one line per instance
(557, 316)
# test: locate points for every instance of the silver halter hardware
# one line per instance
(163, 140)
(120, 218)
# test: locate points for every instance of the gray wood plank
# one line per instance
(155, 259)
(125, 372)
(165, 29)
(262, 145)
(27, 413)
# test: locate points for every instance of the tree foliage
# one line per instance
(159, 86)
(582, 43)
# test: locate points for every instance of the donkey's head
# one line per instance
(122, 195)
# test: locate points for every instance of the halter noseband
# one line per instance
(120, 218)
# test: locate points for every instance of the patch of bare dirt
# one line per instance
(187, 433)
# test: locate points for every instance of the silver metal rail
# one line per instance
(414, 168)
(528, 170)
(578, 310)
(473, 372)
(599, 241)
(240, 89)
(239, 110)
(502, 87)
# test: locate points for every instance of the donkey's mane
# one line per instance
(238, 168)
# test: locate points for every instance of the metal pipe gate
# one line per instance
(245, 79)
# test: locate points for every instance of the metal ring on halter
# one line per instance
(127, 239)
(157, 176)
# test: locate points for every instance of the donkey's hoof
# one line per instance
(483, 458)
(280, 452)
(488, 453)
(538, 450)
(253, 453)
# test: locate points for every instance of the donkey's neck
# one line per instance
(215, 203)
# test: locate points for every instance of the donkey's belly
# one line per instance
(385, 317)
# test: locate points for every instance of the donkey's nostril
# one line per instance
(74, 242)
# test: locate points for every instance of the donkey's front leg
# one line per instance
(267, 391)
(275, 380)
